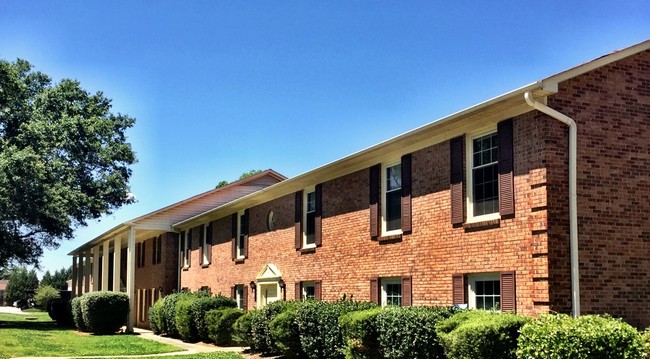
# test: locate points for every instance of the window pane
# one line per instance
(310, 228)
(394, 177)
(309, 292)
(311, 202)
(393, 210)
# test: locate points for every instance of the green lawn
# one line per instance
(213, 355)
(35, 334)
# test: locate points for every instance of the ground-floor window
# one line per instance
(391, 292)
(484, 291)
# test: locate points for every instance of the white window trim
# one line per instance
(239, 296)
(384, 283)
(305, 192)
(304, 286)
(469, 161)
(238, 248)
(384, 187)
(205, 258)
(471, 285)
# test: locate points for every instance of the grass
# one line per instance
(213, 355)
(35, 334)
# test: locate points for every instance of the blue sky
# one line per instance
(222, 87)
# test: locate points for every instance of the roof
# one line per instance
(501, 107)
(161, 220)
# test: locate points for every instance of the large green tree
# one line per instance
(59, 279)
(20, 281)
(64, 159)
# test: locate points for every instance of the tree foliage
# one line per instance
(20, 281)
(243, 176)
(64, 160)
(58, 279)
(46, 294)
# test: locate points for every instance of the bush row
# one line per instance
(360, 330)
(196, 316)
(100, 312)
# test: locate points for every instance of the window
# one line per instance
(239, 296)
(242, 234)
(308, 290)
(485, 175)
(140, 254)
(391, 292)
(156, 252)
(186, 241)
(310, 219)
(392, 199)
(206, 246)
(485, 291)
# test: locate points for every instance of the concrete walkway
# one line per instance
(12, 310)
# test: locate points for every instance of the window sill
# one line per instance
(239, 260)
(390, 239)
(186, 268)
(482, 225)
(206, 265)
(308, 250)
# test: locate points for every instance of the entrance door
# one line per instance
(269, 293)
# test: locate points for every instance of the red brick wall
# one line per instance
(611, 107)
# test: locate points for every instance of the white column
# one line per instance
(130, 278)
(80, 274)
(87, 267)
(96, 268)
(105, 266)
(74, 275)
(117, 263)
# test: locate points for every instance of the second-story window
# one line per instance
(242, 234)
(310, 218)
(392, 198)
(206, 246)
(485, 175)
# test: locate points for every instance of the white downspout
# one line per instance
(573, 196)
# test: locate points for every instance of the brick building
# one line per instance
(534, 201)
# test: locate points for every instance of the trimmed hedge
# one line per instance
(285, 332)
(77, 316)
(242, 331)
(104, 312)
(360, 335)
(60, 310)
(168, 314)
(318, 323)
(219, 324)
(261, 339)
(155, 317)
(479, 334)
(586, 337)
(410, 332)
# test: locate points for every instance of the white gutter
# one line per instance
(573, 196)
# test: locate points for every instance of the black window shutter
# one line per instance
(298, 220)
(201, 238)
(154, 251)
(458, 289)
(318, 220)
(233, 292)
(138, 253)
(506, 167)
(234, 234)
(456, 180)
(143, 254)
(508, 292)
(298, 289)
(208, 233)
(406, 193)
(159, 248)
(318, 290)
(182, 246)
(374, 185)
(407, 291)
(189, 246)
(374, 290)
(246, 225)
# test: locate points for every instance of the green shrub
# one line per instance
(480, 334)
(590, 336)
(60, 310)
(285, 332)
(77, 316)
(219, 323)
(45, 294)
(242, 332)
(360, 334)
(410, 332)
(201, 306)
(318, 323)
(155, 317)
(184, 326)
(261, 339)
(104, 312)
(168, 314)
(645, 336)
